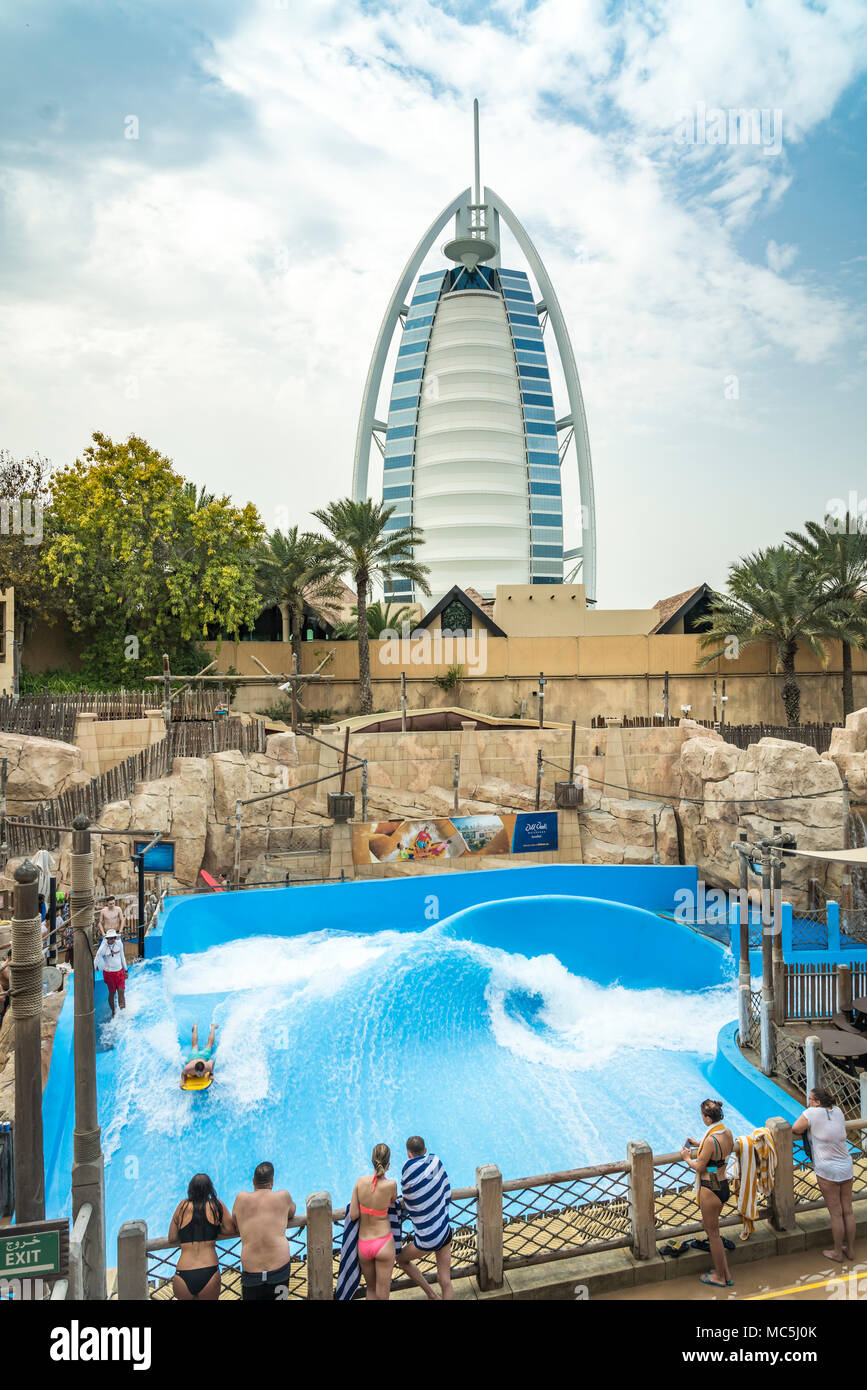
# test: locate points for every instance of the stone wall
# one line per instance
(106, 742)
(701, 792)
(38, 769)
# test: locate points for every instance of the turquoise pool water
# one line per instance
(536, 1033)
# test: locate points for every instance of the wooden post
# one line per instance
(846, 877)
(139, 863)
(52, 920)
(489, 1226)
(778, 963)
(88, 1167)
(132, 1261)
(4, 844)
(293, 680)
(345, 761)
(236, 871)
(26, 980)
(167, 691)
(743, 913)
(813, 1061)
(844, 988)
(320, 1244)
(767, 1016)
(641, 1212)
(783, 1198)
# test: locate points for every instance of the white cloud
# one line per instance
(780, 257)
(243, 292)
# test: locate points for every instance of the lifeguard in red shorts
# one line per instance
(111, 960)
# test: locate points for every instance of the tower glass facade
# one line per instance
(471, 454)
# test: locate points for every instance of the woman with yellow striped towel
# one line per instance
(707, 1158)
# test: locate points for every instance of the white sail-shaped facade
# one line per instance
(472, 444)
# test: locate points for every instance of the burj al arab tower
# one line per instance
(473, 446)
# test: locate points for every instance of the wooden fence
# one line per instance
(183, 740)
(811, 990)
(53, 716)
(816, 735)
(498, 1226)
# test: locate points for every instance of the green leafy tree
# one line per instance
(839, 559)
(24, 494)
(776, 596)
(381, 617)
(369, 550)
(299, 569)
(142, 563)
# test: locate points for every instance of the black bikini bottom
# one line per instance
(196, 1279)
(723, 1191)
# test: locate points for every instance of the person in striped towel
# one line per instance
(426, 1196)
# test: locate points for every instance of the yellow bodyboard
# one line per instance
(197, 1083)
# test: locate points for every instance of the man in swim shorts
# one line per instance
(111, 918)
(201, 1059)
(262, 1217)
(111, 960)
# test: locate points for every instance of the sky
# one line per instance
(204, 209)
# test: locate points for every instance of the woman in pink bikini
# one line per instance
(375, 1241)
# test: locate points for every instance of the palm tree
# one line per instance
(368, 549)
(380, 618)
(298, 569)
(840, 561)
(775, 596)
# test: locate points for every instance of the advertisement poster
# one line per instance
(454, 837)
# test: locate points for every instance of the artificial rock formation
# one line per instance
(38, 769)
(725, 790)
(848, 753)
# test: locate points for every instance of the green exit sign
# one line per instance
(27, 1251)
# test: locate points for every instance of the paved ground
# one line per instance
(805, 1276)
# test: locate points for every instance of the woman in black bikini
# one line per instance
(198, 1221)
(707, 1158)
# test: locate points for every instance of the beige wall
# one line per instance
(587, 676)
(7, 634)
(106, 742)
(560, 610)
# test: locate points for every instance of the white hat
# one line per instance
(111, 932)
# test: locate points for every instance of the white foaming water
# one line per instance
(329, 1042)
(319, 962)
(585, 1024)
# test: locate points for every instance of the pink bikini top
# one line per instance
(371, 1211)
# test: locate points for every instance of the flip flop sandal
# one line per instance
(715, 1283)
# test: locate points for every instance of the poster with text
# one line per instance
(453, 837)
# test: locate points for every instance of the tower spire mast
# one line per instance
(477, 186)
